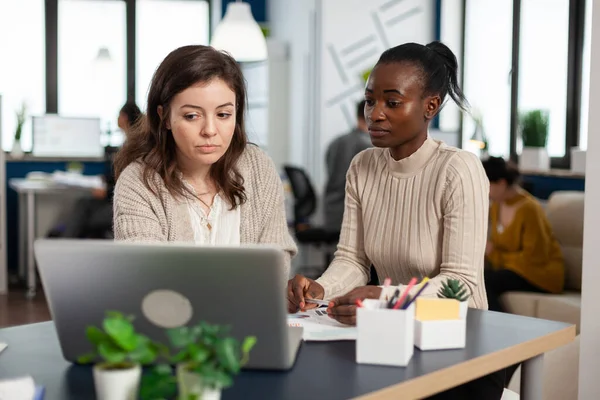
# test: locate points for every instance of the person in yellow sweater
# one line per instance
(522, 252)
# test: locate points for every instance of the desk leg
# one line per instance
(22, 236)
(31, 278)
(532, 372)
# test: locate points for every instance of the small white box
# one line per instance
(384, 336)
(444, 334)
(578, 160)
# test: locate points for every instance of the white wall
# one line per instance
(279, 83)
(331, 43)
(354, 34)
(589, 363)
(293, 22)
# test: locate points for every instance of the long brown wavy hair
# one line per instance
(151, 143)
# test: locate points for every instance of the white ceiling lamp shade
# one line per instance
(240, 35)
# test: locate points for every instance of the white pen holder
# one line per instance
(442, 334)
(384, 336)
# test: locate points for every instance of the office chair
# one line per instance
(305, 205)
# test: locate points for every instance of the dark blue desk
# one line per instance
(327, 370)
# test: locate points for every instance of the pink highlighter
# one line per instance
(410, 285)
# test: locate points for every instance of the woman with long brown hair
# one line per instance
(186, 172)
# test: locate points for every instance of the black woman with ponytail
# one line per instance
(414, 206)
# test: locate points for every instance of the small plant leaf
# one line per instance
(143, 355)
(227, 354)
(199, 354)
(248, 344)
(180, 337)
(122, 332)
(111, 353)
(95, 335)
(223, 380)
(158, 383)
(180, 357)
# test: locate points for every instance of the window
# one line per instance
(585, 77)
(487, 85)
(451, 35)
(161, 27)
(23, 66)
(92, 60)
(543, 65)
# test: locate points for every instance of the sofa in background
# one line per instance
(565, 213)
(561, 366)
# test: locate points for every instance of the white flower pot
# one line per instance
(17, 151)
(534, 159)
(464, 307)
(190, 383)
(117, 384)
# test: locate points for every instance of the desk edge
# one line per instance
(456, 375)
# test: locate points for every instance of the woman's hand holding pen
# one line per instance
(343, 309)
(301, 288)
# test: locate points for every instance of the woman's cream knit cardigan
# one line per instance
(141, 216)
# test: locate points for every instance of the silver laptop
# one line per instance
(169, 285)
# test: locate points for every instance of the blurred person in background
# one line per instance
(92, 216)
(338, 158)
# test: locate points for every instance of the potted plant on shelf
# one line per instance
(479, 137)
(534, 133)
(17, 150)
(123, 351)
(207, 359)
(365, 75)
(454, 289)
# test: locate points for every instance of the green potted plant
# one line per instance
(534, 134)
(455, 289)
(207, 359)
(365, 75)
(123, 351)
(17, 151)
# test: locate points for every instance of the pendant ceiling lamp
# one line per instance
(240, 35)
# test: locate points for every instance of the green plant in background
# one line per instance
(206, 350)
(21, 118)
(119, 345)
(534, 128)
(365, 75)
(266, 31)
(159, 383)
(75, 166)
(453, 289)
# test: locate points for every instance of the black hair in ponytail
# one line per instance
(438, 64)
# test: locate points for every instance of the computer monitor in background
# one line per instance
(56, 136)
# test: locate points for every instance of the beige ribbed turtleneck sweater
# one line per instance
(425, 215)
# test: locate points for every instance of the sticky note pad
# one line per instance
(436, 309)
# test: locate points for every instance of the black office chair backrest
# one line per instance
(305, 199)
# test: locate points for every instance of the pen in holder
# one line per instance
(385, 336)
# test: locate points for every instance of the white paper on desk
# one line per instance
(318, 326)
(3, 346)
(17, 389)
